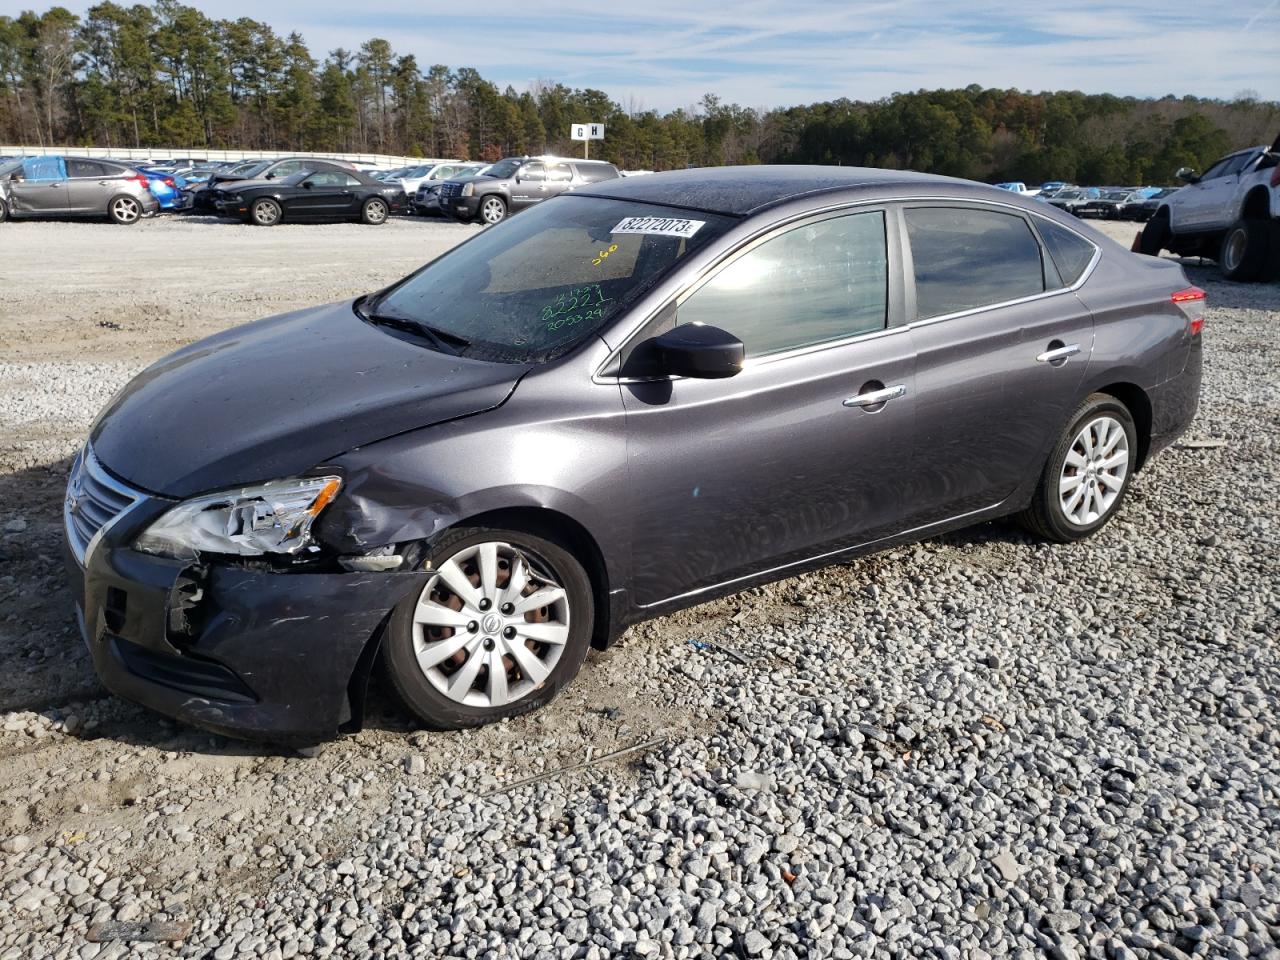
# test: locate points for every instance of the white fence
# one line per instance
(194, 153)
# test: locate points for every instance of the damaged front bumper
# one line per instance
(242, 650)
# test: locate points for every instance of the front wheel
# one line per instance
(373, 212)
(493, 210)
(1243, 253)
(1087, 475)
(501, 626)
(124, 210)
(265, 213)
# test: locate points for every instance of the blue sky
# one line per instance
(666, 53)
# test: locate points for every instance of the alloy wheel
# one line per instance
(125, 209)
(266, 214)
(1094, 472)
(490, 625)
(492, 210)
(375, 211)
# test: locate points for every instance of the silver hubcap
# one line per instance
(376, 211)
(490, 625)
(125, 210)
(1233, 252)
(266, 213)
(493, 211)
(1094, 472)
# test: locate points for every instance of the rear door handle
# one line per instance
(1058, 354)
(876, 397)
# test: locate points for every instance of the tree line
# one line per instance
(167, 75)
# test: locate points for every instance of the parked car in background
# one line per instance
(1230, 213)
(1016, 186)
(1071, 200)
(74, 187)
(260, 170)
(331, 193)
(474, 475)
(414, 177)
(517, 183)
(425, 201)
(167, 187)
(1053, 186)
(1110, 205)
(1145, 208)
(234, 188)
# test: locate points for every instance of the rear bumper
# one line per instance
(238, 650)
(1174, 403)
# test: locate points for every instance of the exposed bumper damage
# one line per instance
(243, 650)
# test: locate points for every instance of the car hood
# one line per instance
(276, 397)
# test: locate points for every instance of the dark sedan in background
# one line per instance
(329, 194)
(631, 399)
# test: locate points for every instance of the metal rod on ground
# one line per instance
(575, 766)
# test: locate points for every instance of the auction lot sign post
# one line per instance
(586, 132)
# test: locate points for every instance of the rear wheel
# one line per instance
(1243, 254)
(265, 213)
(1155, 235)
(124, 210)
(4, 211)
(493, 209)
(1087, 475)
(502, 625)
(374, 212)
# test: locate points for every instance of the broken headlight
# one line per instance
(273, 517)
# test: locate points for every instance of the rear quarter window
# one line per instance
(965, 258)
(1070, 252)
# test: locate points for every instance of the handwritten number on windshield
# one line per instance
(572, 307)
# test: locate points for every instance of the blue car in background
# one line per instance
(167, 188)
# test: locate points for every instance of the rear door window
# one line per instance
(532, 171)
(559, 173)
(965, 258)
(77, 168)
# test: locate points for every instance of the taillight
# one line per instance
(1191, 302)
(139, 179)
(168, 182)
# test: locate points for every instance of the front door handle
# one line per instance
(874, 398)
(1058, 355)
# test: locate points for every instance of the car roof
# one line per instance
(741, 191)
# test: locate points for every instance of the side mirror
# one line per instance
(699, 351)
(306, 184)
(1187, 175)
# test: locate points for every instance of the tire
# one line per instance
(374, 212)
(1243, 253)
(124, 210)
(493, 209)
(4, 211)
(1094, 499)
(1271, 271)
(455, 640)
(1154, 235)
(265, 213)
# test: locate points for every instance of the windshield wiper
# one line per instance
(442, 341)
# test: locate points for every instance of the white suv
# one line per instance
(1231, 213)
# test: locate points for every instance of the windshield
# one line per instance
(503, 169)
(534, 287)
(1116, 195)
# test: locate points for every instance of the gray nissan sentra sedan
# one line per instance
(634, 398)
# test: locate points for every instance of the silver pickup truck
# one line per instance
(1230, 213)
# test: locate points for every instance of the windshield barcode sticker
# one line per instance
(662, 226)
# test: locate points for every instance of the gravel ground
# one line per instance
(975, 746)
